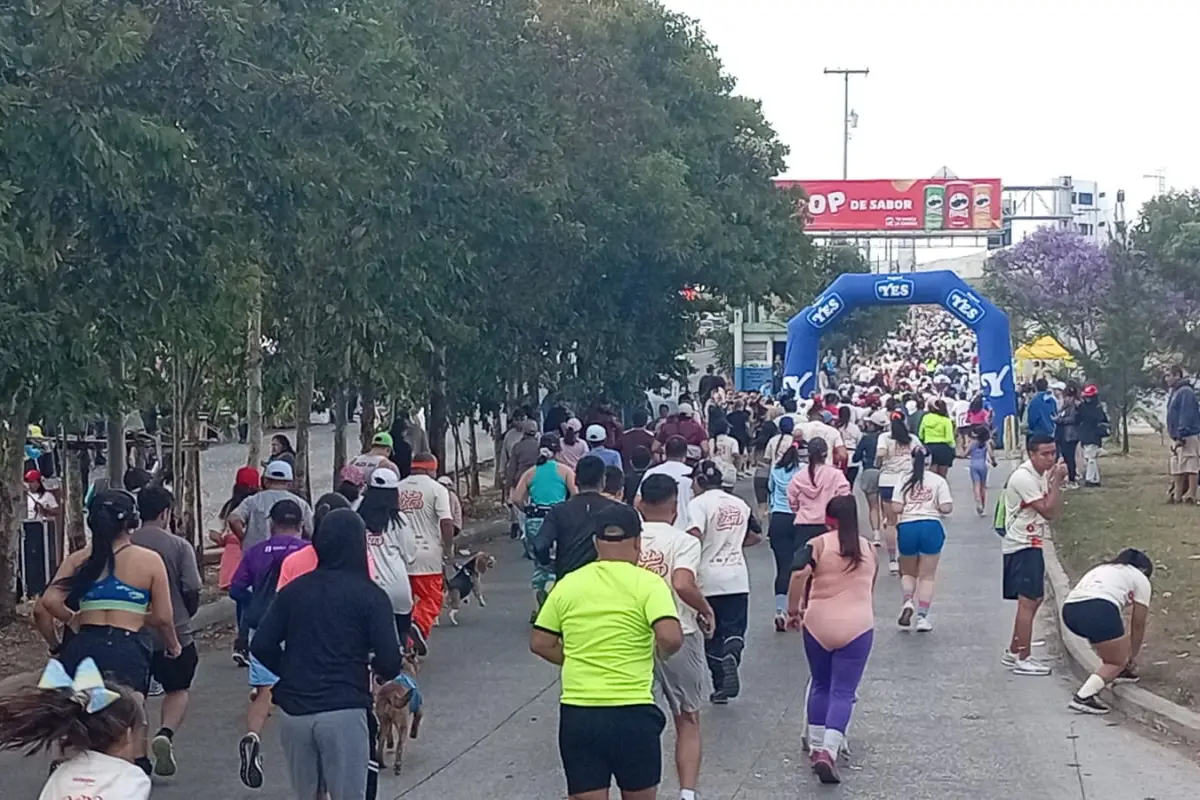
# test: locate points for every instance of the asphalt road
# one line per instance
(938, 715)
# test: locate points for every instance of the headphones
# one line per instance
(122, 504)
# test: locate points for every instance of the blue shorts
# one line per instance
(260, 675)
(979, 474)
(921, 537)
(886, 492)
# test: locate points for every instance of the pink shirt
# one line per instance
(809, 498)
(304, 561)
(839, 599)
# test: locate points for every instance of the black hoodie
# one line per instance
(322, 628)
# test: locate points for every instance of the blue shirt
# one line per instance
(778, 482)
(1043, 408)
(610, 457)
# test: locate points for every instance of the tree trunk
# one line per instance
(75, 486)
(12, 507)
(1124, 430)
(304, 400)
(115, 453)
(366, 420)
(341, 398)
(254, 379)
(187, 478)
(438, 410)
(473, 457)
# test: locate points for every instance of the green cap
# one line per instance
(383, 438)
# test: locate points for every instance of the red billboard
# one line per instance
(920, 205)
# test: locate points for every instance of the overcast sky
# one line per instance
(1022, 90)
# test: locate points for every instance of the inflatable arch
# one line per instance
(943, 288)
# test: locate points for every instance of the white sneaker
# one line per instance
(894, 567)
(1027, 666)
(1008, 658)
(877, 540)
(924, 625)
(906, 615)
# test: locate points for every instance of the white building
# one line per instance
(1090, 208)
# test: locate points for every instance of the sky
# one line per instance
(1020, 90)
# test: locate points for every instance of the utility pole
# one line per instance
(847, 114)
(1160, 179)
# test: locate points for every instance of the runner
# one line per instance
(781, 527)
(249, 521)
(425, 504)
(254, 585)
(614, 484)
(174, 674)
(246, 482)
(851, 435)
(865, 454)
(596, 435)
(922, 500)
(724, 448)
(684, 425)
(379, 455)
(1032, 499)
(676, 451)
(672, 554)
(572, 447)
(603, 624)
(835, 611)
(893, 455)
(637, 436)
(937, 435)
(1093, 610)
(639, 465)
(981, 453)
(817, 428)
(569, 527)
(542, 487)
(721, 522)
(390, 545)
(811, 489)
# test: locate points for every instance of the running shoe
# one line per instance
(732, 684)
(156, 689)
(780, 622)
(823, 764)
(894, 567)
(1027, 666)
(1008, 658)
(163, 751)
(906, 615)
(418, 642)
(719, 698)
(924, 625)
(250, 753)
(1128, 675)
(240, 655)
(1088, 705)
(877, 540)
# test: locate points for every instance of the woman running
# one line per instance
(781, 528)
(390, 545)
(838, 625)
(981, 454)
(811, 489)
(937, 434)
(851, 435)
(893, 454)
(246, 482)
(1093, 610)
(920, 504)
(544, 485)
(864, 455)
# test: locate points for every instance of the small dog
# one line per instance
(466, 583)
(399, 708)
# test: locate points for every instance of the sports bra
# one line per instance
(110, 593)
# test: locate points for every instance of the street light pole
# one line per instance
(846, 73)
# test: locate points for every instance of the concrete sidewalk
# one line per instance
(938, 718)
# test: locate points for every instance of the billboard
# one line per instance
(918, 205)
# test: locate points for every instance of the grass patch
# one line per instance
(1131, 510)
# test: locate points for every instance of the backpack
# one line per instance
(1000, 514)
(260, 600)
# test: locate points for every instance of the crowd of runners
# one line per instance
(639, 580)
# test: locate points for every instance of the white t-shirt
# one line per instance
(922, 501)
(851, 434)
(665, 549)
(895, 459)
(682, 474)
(774, 448)
(41, 508)
(722, 520)
(959, 412)
(392, 552)
(1120, 584)
(1024, 527)
(819, 430)
(724, 448)
(92, 774)
(424, 503)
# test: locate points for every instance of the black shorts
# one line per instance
(598, 744)
(1097, 620)
(1025, 574)
(851, 474)
(806, 533)
(760, 490)
(123, 656)
(941, 455)
(175, 674)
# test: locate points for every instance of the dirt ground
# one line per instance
(1131, 510)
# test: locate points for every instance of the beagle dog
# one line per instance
(467, 583)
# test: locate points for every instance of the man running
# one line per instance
(596, 434)
(569, 527)
(677, 469)
(721, 522)
(249, 521)
(155, 505)
(380, 455)
(675, 556)
(1032, 499)
(425, 505)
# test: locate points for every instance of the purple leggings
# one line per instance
(835, 676)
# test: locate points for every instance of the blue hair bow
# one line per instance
(87, 687)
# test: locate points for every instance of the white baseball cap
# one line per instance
(596, 433)
(278, 471)
(574, 424)
(686, 410)
(384, 478)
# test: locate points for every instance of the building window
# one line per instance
(1086, 229)
(1074, 199)
(1086, 199)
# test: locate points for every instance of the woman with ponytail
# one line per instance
(543, 486)
(893, 453)
(920, 503)
(811, 489)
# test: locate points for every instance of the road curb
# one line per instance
(1146, 707)
(221, 610)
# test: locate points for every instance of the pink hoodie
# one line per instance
(809, 499)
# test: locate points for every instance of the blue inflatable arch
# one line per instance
(943, 288)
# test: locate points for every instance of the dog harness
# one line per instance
(464, 579)
(414, 702)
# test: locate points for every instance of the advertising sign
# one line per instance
(920, 205)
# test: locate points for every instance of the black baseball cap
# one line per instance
(626, 521)
(287, 512)
(708, 472)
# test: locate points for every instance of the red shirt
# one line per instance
(692, 432)
(632, 440)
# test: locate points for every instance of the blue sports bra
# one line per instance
(110, 593)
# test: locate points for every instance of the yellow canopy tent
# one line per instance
(1044, 348)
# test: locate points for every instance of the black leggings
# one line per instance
(1066, 451)
(782, 533)
(729, 634)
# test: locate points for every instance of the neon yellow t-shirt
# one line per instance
(936, 429)
(605, 613)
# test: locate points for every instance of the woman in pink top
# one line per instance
(838, 625)
(812, 488)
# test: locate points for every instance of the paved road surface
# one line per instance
(938, 716)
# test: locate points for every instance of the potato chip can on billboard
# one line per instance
(958, 204)
(981, 206)
(935, 207)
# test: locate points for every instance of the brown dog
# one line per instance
(399, 708)
(466, 583)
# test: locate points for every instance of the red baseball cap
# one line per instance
(33, 476)
(1090, 390)
(247, 478)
